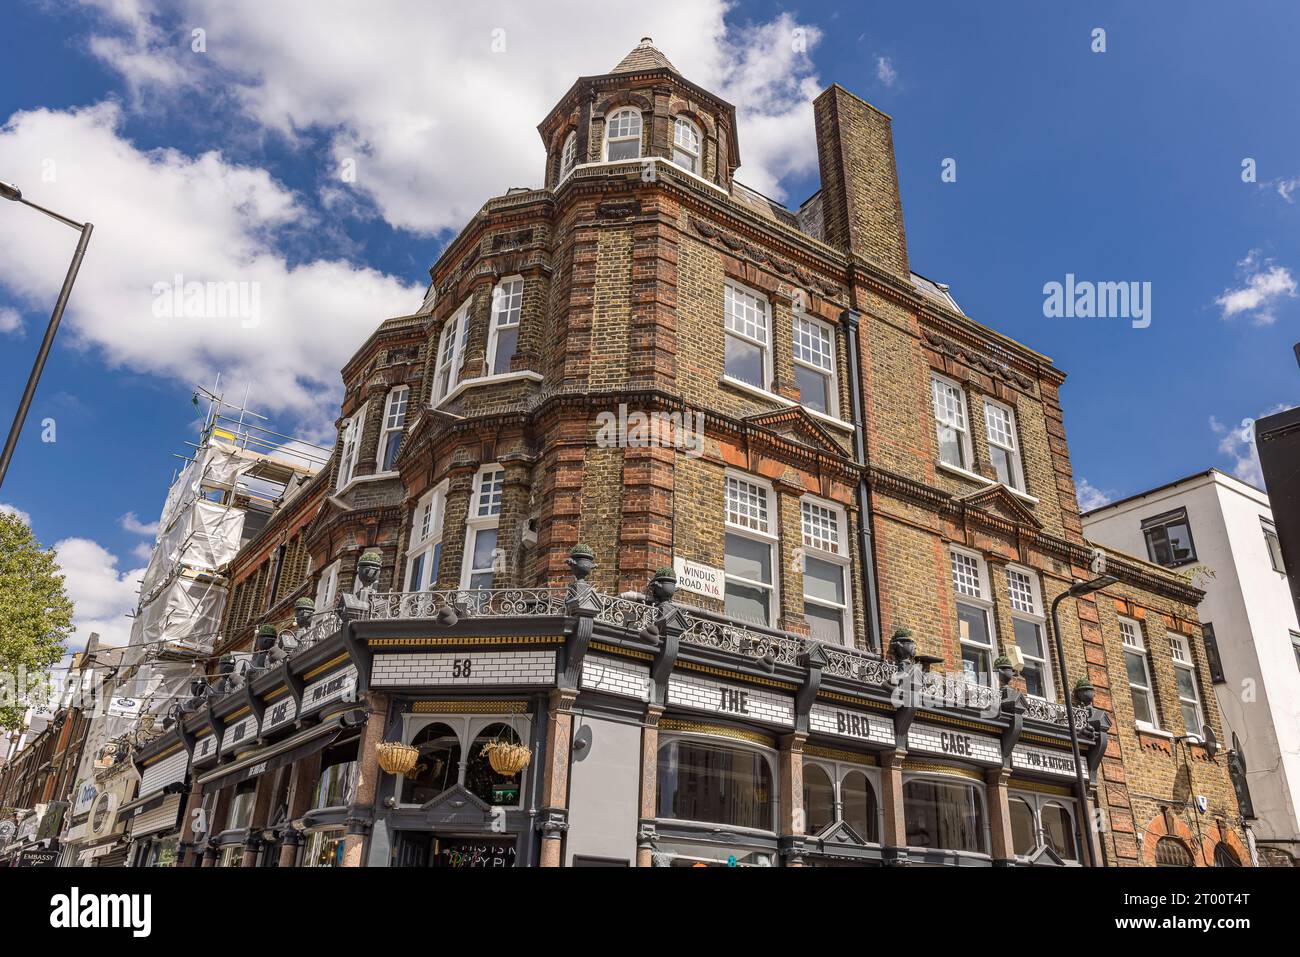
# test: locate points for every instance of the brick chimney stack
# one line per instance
(861, 209)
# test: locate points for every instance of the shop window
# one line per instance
(1171, 852)
(241, 807)
(438, 766)
(1058, 831)
(324, 848)
(481, 780)
(337, 779)
(1169, 539)
(946, 815)
(818, 799)
(231, 856)
(715, 783)
(858, 797)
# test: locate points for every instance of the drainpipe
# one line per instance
(850, 319)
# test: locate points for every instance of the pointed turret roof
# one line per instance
(644, 56)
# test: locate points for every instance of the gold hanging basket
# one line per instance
(397, 758)
(507, 758)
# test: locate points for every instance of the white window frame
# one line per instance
(568, 155)
(1137, 645)
(501, 318)
(1272, 545)
(476, 522)
(980, 601)
(1034, 615)
(401, 394)
(1036, 802)
(730, 289)
(426, 537)
(1010, 445)
(327, 586)
(837, 555)
(450, 354)
(694, 151)
(762, 535)
(938, 384)
(350, 449)
(624, 137)
(831, 375)
(1180, 654)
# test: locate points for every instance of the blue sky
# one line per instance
(225, 163)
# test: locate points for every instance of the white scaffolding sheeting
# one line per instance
(215, 466)
(204, 537)
(186, 612)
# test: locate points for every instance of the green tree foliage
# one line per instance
(35, 615)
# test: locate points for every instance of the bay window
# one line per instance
(840, 791)
(715, 783)
(451, 752)
(1185, 679)
(424, 548)
(1004, 450)
(503, 334)
(481, 525)
(1139, 673)
(814, 364)
(1042, 821)
(950, 422)
(749, 562)
(825, 572)
(390, 439)
(974, 616)
(451, 347)
(748, 340)
(944, 814)
(623, 135)
(1028, 621)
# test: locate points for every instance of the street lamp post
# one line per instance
(14, 194)
(1077, 590)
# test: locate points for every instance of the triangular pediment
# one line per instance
(795, 425)
(840, 834)
(1046, 857)
(997, 500)
(458, 806)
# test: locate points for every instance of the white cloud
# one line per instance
(17, 513)
(1286, 188)
(885, 71)
(435, 119)
(10, 321)
(1237, 444)
(101, 595)
(143, 551)
(160, 214)
(136, 527)
(1090, 497)
(1264, 285)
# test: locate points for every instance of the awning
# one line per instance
(301, 745)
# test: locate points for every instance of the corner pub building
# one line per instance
(677, 528)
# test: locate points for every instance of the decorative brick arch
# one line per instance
(1214, 834)
(1158, 827)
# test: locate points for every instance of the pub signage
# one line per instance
(452, 668)
(38, 857)
(279, 712)
(339, 686)
(955, 743)
(845, 723)
(245, 729)
(738, 701)
(1043, 761)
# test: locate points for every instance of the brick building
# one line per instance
(785, 450)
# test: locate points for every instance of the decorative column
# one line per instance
(792, 818)
(220, 807)
(257, 820)
(361, 812)
(891, 799)
(302, 783)
(1003, 843)
(554, 820)
(645, 832)
(185, 847)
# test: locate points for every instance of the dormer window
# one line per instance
(568, 155)
(623, 136)
(686, 145)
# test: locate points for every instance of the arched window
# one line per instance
(818, 799)
(715, 783)
(438, 766)
(859, 801)
(623, 135)
(686, 145)
(1171, 852)
(569, 154)
(1058, 831)
(1024, 837)
(1225, 856)
(481, 780)
(944, 814)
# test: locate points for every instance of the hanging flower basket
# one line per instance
(397, 758)
(507, 758)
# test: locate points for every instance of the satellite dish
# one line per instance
(1211, 742)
